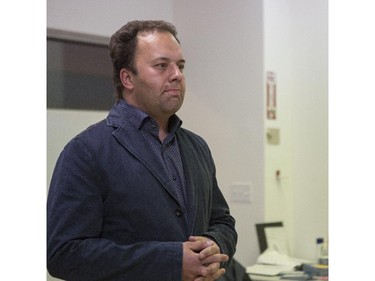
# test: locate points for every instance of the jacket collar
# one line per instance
(128, 135)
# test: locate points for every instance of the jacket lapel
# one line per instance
(133, 141)
(187, 156)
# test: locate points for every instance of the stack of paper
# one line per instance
(267, 269)
(273, 263)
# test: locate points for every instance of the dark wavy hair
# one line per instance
(123, 46)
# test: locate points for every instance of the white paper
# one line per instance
(266, 269)
(277, 240)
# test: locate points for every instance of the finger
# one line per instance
(221, 258)
(209, 251)
(212, 251)
(213, 272)
(205, 279)
(203, 242)
(193, 238)
(219, 273)
(210, 270)
(196, 246)
(208, 242)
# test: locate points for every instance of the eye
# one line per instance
(162, 65)
(181, 67)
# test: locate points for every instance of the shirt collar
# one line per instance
(139, 118)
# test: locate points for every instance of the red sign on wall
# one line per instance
(271, 95)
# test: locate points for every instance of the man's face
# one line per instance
(159, 85)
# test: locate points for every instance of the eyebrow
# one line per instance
(168, 59)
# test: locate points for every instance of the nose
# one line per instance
(176, 73)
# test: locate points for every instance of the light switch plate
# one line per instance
(241, 192)
(273, 136)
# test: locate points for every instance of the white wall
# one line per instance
(277, 58)
(309, 123)
(296, 49)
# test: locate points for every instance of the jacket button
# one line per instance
(178, 212)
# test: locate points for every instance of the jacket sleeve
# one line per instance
(213, 218)
(222, 225)
(75, 249)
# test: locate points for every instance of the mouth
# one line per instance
(173, 91)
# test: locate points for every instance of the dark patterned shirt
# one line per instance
(167, 152)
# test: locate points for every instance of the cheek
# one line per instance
(183, 87)
(154, 84)
(149, 86)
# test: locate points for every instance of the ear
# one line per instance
(126, 79)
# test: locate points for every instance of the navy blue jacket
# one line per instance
(111, 211)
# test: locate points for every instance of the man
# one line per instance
(135, 197)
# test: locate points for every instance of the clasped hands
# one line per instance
(201, 260)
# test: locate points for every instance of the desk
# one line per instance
(267, 272)
(255, 277)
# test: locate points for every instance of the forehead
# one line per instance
(155, 44)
